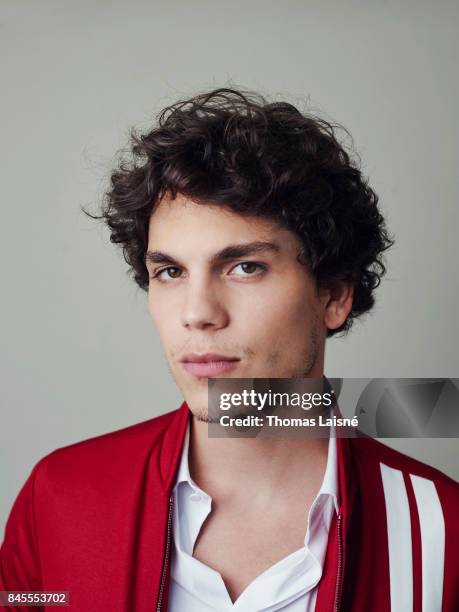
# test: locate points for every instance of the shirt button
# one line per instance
(195, 497)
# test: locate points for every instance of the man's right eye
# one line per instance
(159, 274)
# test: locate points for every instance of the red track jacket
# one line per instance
(94, 518)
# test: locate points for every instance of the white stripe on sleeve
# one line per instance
(432, 526)
(398, 539)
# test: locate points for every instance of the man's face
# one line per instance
(256, 304)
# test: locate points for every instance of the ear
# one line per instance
(337, 303)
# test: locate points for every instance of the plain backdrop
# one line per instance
(80, 356)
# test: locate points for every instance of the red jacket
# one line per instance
(94, 519)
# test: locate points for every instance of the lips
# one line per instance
(208, 364)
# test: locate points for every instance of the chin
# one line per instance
(196, 399)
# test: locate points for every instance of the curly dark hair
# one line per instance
(257, 158)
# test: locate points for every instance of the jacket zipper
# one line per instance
(166, 555)
(339, 576)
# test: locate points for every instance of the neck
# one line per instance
(236, 467)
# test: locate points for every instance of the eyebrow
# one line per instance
(232, 251)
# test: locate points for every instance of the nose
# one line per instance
(203, 307)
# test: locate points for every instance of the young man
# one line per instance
(256, 238)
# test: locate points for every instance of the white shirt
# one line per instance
(289, 585)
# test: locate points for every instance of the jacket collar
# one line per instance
(172, 444)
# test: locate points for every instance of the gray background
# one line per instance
(80, 356)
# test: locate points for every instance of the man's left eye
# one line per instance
(249, 267)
